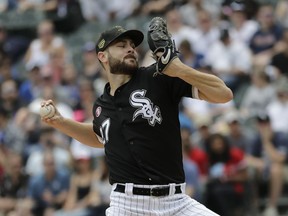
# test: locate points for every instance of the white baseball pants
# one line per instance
(128, 204)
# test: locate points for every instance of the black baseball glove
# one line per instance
(159, 40)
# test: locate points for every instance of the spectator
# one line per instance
(155, 7)
(230, 60)
(47, 141)
(104, 11)
(198, 108)
(238, 135)
(57, 63)
(68, 91)
(281, 12)
(119, 10)
(192, 8)
(30, 126)
(227, 175)
(242, 27)
(203, 127)
(188, 56)
(266, 37)
(206, 33)
(251, 8)
(40, 48)
(5, 68)
(12, 137)
(50, 91)
(14, 46)
(258, 95)
(268, 155)
(192, 177)
(30, 88)
(198, 139)
(3, 6)
(76, 147)
(46, 80)
(80, 194)
(48, 191)
(24, 5)
(14, 185)
(278, 109)
(11, 5)
(279, 60)
(9, 97)
(93, 10)
(66, 15)
(91, 67)
(82, 110)
(102, 187)
(177, 28)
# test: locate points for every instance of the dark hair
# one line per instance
(262, 117)
(224, 34)
(3, 111)
(186, 44)
(215, 157)
(261, 73)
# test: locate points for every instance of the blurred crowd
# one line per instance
(235, 155)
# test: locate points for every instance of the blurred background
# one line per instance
(235, 155)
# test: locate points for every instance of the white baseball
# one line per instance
(47, 111)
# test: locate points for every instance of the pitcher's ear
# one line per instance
(102, 56)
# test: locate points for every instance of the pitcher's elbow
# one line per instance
(225, 96)
(228, 95)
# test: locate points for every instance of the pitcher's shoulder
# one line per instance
(151, 68)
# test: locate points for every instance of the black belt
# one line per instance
(156, 191)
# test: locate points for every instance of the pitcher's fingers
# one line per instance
(50, 102)
(47, 102)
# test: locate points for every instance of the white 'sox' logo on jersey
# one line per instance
(146, 109)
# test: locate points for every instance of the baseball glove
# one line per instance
(159, 40)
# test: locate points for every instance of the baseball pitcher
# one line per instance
(136, 121)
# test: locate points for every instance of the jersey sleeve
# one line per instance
(95, 123)
(180, 88)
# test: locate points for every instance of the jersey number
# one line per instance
(104, 130)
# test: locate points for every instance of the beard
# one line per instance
(122, 67)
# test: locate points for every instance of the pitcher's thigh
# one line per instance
(116, 211)
(194, 208)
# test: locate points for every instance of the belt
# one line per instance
(155, 191)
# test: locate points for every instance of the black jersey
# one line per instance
(140, 129)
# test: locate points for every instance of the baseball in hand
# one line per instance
(47, 111)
